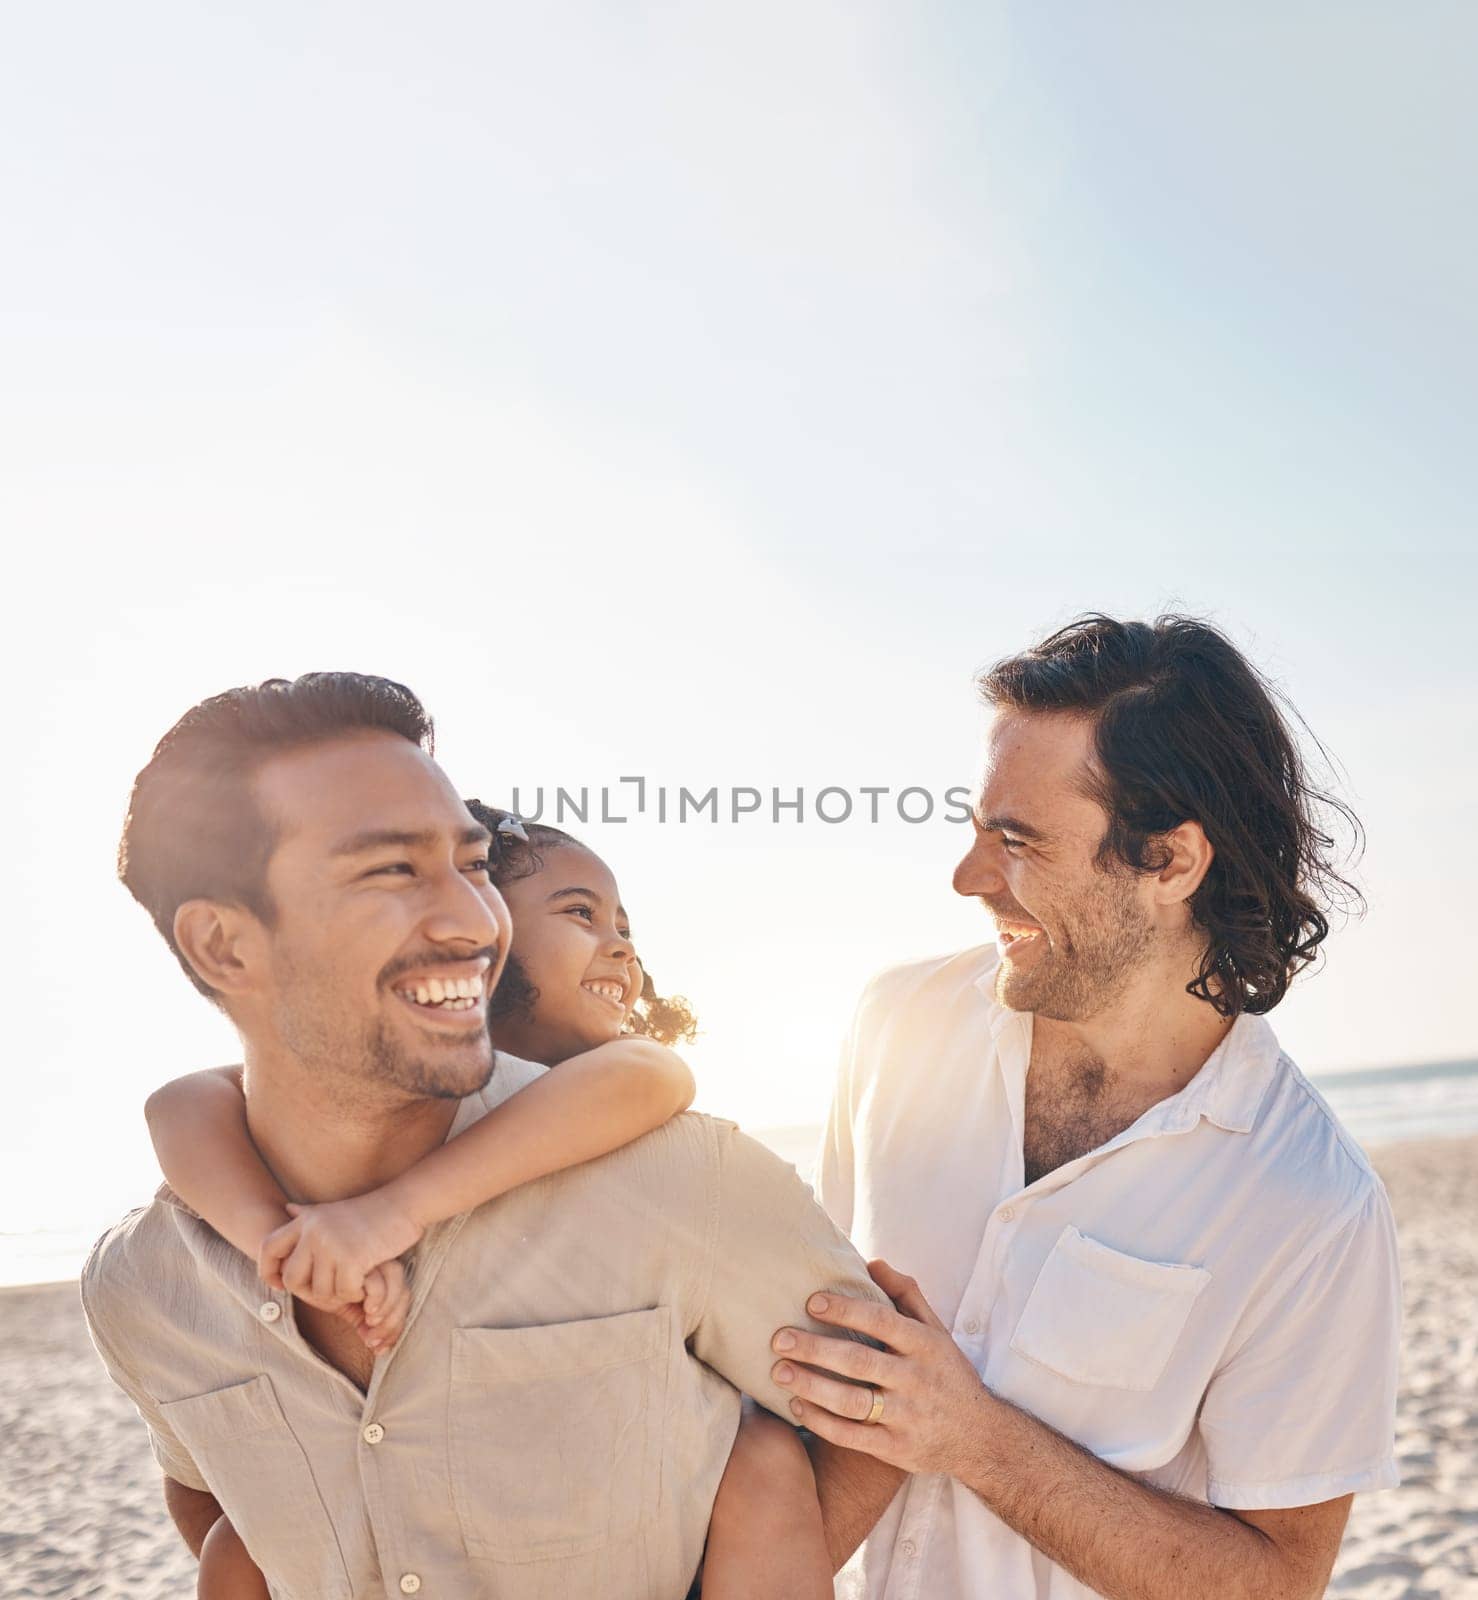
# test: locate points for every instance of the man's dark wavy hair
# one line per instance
(1188, 730)
(194, 830)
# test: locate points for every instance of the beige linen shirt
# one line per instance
(557, 1415)
(1209, 1302)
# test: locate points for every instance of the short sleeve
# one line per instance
(1305, 1408)
(174, 1460)
(773, 1247)
(835, 1170)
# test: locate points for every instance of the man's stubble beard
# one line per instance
(1083, 974)
(359, 1056)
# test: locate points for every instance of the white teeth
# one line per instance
(451, 994)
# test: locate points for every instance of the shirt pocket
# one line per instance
(556, 1434)
(250, 1457)
(1098, 1316)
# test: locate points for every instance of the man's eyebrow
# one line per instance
(1002, 824)
(405, 839)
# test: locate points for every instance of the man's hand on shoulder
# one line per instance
(933, 1404)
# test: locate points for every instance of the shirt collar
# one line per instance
(166, 1196)
(1229, 1088)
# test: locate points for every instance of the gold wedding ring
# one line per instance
(876, 1414)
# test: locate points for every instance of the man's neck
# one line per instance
(324, 1140)
(1152, 1041)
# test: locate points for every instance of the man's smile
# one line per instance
(1014, 937)
(459, 994)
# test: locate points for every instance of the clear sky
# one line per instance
(706, 393)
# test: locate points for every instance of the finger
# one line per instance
(323, 1281)
(905, 1293)
(867, 1316)
(297, 1271)
(392, 1324)
(376, 1292)
(849, 1400)
(354, 1316)
(870, 1438)
(385, 1325)
(843, 1356)
(276, 1248)
(396, 1314)
(348, 1282)
(293, 1208)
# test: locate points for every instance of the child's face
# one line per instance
(571, 943)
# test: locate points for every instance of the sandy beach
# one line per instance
(83, 1518)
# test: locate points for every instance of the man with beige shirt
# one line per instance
(558, 1412)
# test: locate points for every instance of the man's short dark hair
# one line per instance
(1187, 730)
(194, 830)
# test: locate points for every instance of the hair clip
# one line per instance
(511, 825)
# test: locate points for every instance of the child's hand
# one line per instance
(324, 1253)
(379, 1319)
(387, 1302)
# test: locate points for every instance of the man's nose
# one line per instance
(466, 911)
(978, 872)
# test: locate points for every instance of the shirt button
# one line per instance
(972, 1326)
(1006, 1213)
(906, 1547)
(269, 1311)
(372, 1435)
(410, 1583)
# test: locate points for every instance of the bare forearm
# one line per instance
(1121, 1538)
(854, 1491)
(194, 1512)
(198, 1125)
(586, 1107)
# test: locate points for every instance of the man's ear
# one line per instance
(1189, 855)
(221, 942)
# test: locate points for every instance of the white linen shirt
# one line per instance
(1209, 1302)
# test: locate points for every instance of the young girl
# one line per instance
(574, 996)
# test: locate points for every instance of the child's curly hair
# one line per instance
(668, 1020)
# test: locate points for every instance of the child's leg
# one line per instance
(765, 1539)
(226, 1571)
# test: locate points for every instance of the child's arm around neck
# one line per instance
(198, 1125)
(586, 1107)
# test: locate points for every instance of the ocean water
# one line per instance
(1379, 1105)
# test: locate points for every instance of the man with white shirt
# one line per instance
(1168, 1305)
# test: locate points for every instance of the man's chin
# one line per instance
(1013, 990)
(444, 1086)
(455, 1081)
(450, 1072)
